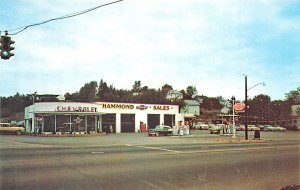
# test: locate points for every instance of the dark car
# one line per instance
(160, 130)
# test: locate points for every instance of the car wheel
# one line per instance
(157, 134)
(18, 132)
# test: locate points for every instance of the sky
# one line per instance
(209, 44)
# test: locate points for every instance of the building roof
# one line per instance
(191, 102)
(174, 92)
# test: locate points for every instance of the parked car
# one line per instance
(211, 125)
(160, 130)
(238, 127)
(279, 128)
(253, 128)
(269, 128)
(261, 127)
(242, 127)
(201, 125)
(216, 129)
(6, 128)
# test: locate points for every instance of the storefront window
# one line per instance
(63, 123)
(49, 123)
(38, 123)
(78, 123)
(91, 124)
(109, 123)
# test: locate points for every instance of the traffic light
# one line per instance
(6, 48)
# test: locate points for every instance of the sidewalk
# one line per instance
(205, 137)
(196, 137)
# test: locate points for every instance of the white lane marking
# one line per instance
(152, 184)
(162, 149)
(155, 148)
(97, 152)
(235, 149)
(212, 150)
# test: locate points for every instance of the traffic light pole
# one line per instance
(5, 47)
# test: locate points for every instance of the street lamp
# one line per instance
(262, 83)
(246, 104)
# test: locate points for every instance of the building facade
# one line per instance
(192, 108)
(79, 117)
(173, 94)
(295, 116)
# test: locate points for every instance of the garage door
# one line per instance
(153, 120)
(127, 123)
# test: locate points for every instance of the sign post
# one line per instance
(233, 122)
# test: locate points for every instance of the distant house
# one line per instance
(191, 109)
(174, 94)
(136, 93)
(296, 116)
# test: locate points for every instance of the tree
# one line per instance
(210, 103)
(294, 96)
(280, 111)
(14, 104)
(166, 88)
(88, 92)
(191, 91)
(103, 91)
(137, 86)
(259, 107)
(72, 97)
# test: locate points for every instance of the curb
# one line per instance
(68, 135)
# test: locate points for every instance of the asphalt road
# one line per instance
(52, 163)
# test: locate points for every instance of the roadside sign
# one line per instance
(239, 107)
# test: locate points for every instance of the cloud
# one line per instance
(208, 43)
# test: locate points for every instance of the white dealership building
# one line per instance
(66, 117)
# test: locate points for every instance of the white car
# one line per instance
(6, 128)
(269, 128)
(278, 128)
(253, 128)
(216, 129)
(201, 125)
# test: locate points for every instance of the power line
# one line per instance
(61, 17)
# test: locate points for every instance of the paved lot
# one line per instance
(136, 161)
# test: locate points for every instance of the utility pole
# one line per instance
(246, 109)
